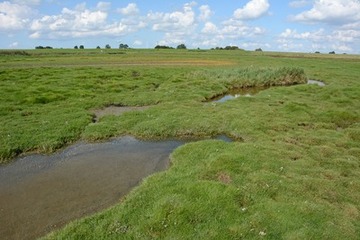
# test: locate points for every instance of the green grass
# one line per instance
(293, 172)
(217, 190)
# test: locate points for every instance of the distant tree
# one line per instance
(258, 50)
(317, 52)
(76, 47)
(231, 48)
(48, 47)
(107, 46)
(39, 47)
(332, 52)
(123, 46)
(181, 46)
(163, 47)
(81, 47)
(98, 47)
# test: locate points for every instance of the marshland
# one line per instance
(291, 169)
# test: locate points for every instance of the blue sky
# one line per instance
(273, 25)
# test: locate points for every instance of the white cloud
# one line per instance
(229, 32)
(341, 48)
(233, 28)
(79, 20)
(340, 39)
(14, 45)
(314, 36)
(252, 10)
(14, 16)
(35, 35)
(174, 21)
(82, 22)
(138, 43)
(336, 12)
(130, 9)
(205, 12)
(209, 28)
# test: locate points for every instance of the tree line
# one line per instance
(107, 46)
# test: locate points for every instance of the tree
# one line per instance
(81, 47)
(231, 48)
(163, 47)
(181, 46)
(123, 46)
(76, 47)
(98, 47)
(107, 46)
(333, 52)
(258, 50)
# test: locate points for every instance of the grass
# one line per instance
(293, 172)
(217, 190)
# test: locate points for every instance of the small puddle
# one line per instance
(319, 83)
(41, 193)
(248, 92)
(238, 92)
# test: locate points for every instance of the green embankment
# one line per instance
(293, 172)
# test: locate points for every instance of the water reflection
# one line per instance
(319, 83)
(39, 193)
(251, 91)
(239, 92)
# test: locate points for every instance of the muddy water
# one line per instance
(41, 193)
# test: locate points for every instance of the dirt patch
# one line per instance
(224, 178)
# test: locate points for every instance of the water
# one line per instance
(40, 193)
(239, 92)
(248, 92)
(319, 83)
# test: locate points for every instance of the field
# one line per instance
(292, 171)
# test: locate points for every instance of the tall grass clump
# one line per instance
(254, 77)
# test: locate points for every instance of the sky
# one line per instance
(272, 25)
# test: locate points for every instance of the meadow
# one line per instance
(292, 171)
